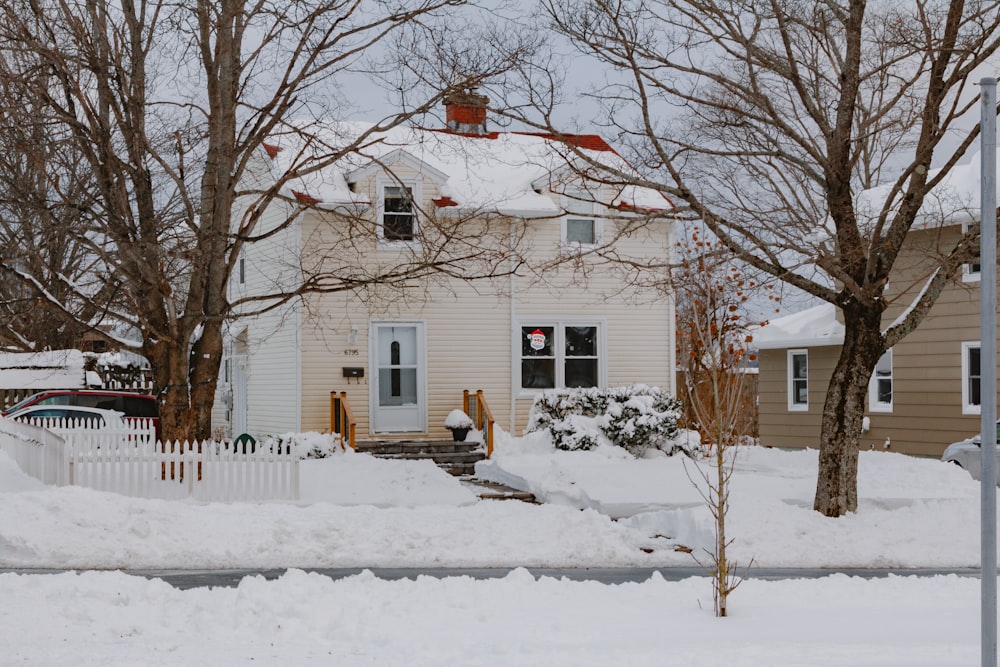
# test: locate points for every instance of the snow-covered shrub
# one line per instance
(635, 418)
(308, 445)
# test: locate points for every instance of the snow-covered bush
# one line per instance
(635, 418)
(308, 445)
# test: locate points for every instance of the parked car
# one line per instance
(84, 416)
(968, 454)
(130, 404)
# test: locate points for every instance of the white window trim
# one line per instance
(576, 195)
(967, 408)
(381, 183)
(792, 405)
(560, 346)
(968, 275)
(875, 405)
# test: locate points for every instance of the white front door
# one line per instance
(399, 403)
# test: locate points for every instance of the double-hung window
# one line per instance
(399, 220)
(971, 398)
(798, 380)
(880, 386)
(561, 354)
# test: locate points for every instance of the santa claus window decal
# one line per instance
(559, 355)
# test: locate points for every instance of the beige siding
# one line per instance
(470, 335)
(927, 370)
(779, 426)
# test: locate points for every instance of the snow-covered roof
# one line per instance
(812, 327)
(497, 172)
(954, 201)
(56, 369)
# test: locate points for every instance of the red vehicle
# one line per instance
(131, 404)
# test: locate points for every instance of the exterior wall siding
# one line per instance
(470, 336)
(297, 357)
(926, 413)
(272, 338)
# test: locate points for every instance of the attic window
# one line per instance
(580, 224)
(398, 220)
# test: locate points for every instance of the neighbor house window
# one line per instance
(580, 224)
(880, 386)
(798, 380)
(243, 270)
(971, 403)
(399, 222)
(970, 271)
(561, 354)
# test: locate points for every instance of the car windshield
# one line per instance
(20, 404)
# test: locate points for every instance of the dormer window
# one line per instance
(399, 221)
(580, 224)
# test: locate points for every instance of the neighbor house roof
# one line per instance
(812, 327)
(495, 172)
(955, 200)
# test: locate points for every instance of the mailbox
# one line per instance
(354, 372)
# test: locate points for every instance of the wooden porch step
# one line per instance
(494, 491)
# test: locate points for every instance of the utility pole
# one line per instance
(988, 363)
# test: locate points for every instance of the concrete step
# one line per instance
(415, 447)
(456, 458)
(437, 457)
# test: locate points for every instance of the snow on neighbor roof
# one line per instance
(954, 201)
(812, 327)
(495, 172)
(57, 369)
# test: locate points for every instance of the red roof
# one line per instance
(306, 198)
(592, 142)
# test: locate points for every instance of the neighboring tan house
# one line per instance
(924, 393)
(404, 358)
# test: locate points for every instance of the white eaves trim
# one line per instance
(397, 157)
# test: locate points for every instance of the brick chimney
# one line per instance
(465, 112)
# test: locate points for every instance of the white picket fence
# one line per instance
(37, 451)
(133, 463)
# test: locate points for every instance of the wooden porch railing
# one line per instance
(482, 419)
(342, 419)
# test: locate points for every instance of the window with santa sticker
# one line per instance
(562, 354)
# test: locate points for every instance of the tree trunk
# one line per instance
(206, 359)
(186, 383)
(843, 412)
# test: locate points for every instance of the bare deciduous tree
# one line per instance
(714, 334)
(167, 105)
(765, 120)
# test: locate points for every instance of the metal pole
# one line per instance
(988, 364)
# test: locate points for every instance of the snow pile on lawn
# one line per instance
(109, 618)
(359, 511)
(914, 512)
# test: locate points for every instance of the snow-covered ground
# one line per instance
(601, 509)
